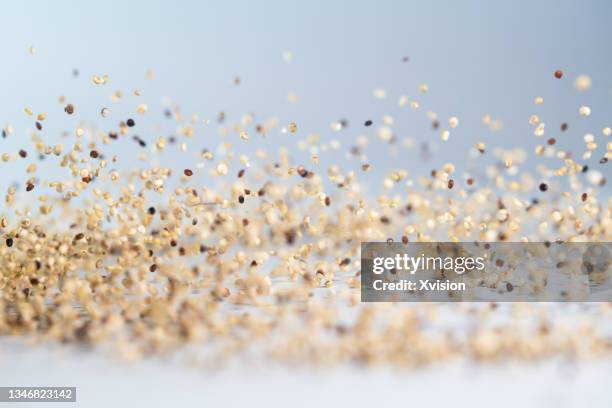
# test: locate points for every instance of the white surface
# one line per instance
(103, 381)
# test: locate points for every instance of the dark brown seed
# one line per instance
(93, 154)
(563, 127)
(151, 210)
(69, 109)
(551, 141)
(404, 240)
(603, 160)
(188, 172)
(451, 183)
(368, 123)
(152, 268)
(558, 74)
(241, 173)
(38, 126)
(509, 287)
(130, 122)
(327, 201)
(79, 236)
(470, 181)
(241, 199)
(9, 242)
(584, 197)
(29, 187)
(23, 154)
(543, 186)
(345, 262)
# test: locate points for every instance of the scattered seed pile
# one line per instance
(231, 255)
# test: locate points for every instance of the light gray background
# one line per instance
(477, 56)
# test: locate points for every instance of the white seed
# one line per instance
(222, 169)
(584, 110)
(583, 83)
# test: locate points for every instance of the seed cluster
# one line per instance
(267, 257)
